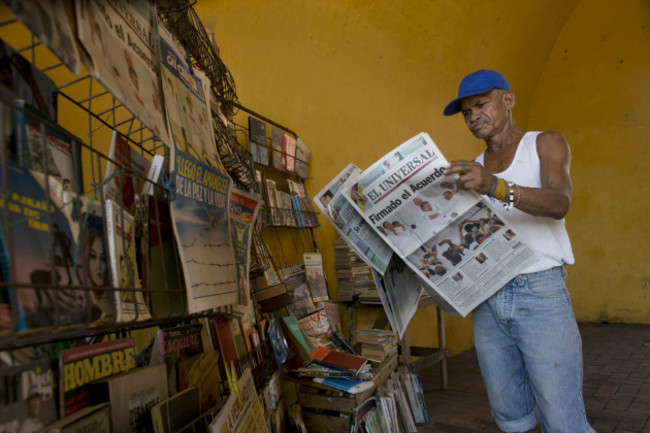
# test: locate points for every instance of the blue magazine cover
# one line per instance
(41, 246)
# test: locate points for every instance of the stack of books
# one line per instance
(352, 273)
(338, 370)
(376, 344)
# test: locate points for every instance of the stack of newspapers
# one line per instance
(352, 273)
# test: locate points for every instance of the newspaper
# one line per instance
(242, 412)
(451, 239)
(244, 208)
(120, 39)
(373, 250)
(349, 223)
(399, 290)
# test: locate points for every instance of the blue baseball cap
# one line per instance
(476, 83)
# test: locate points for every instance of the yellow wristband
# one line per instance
(500, 191)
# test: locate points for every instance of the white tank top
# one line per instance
(547, 236)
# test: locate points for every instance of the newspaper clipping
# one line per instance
(451, 239)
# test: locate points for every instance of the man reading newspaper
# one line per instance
(526, 337)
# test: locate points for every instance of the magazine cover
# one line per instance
(120, 38)
(60, 157)
(41, 243)
(244, 208)
(92, 259)
(129, 302)
(49, 22)
(202, 228)
(28, 400)
(80, 366)
(296, 278)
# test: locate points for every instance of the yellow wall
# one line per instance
(355, 79)
(594, 88)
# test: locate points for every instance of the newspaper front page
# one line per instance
(373, 250)
(451, 239)
(349, 223)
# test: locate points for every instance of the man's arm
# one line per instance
(551, 200)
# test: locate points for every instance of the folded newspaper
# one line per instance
(404, 205)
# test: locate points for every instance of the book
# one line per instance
(40, 247)
(288, 152)
(28, 399)
(270, 292)
(175, 412)
(59, 155)
(273, 202)
(344, 384)
(276, 302)
(80, 366)
(315, 276)
(202, 371)
(276, 147)
(338, 360)
(278, 342)
(129, 301)
(302, 344)
(303, 154)
(229, 338)
(257, 140)
(27, 82)
(131, 395)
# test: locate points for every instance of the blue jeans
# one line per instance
(530, 354)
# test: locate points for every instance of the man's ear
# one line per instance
(509, 100)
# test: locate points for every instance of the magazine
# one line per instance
(129, 300)
(28, 396)
(80, 366)
(315, 276)
(407, 199)
(41, 250)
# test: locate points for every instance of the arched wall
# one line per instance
(355, 79)
(594, 88)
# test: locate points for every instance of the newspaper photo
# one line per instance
(451, 239)
(349, 223)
